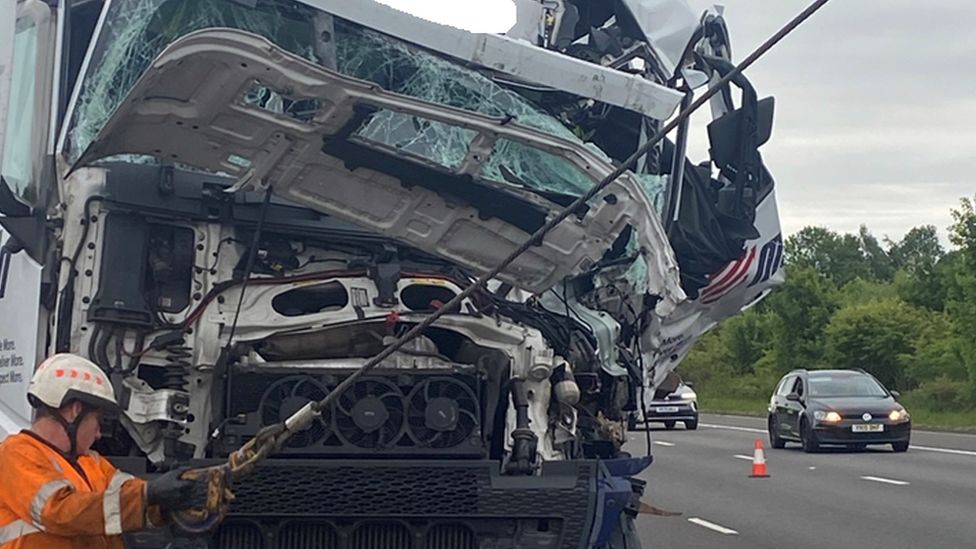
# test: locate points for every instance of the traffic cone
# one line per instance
(759, 462)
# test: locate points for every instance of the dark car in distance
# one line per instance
(836, 407)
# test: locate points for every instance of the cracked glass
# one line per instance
(136, 31)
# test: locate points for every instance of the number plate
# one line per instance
(666, 409)
(868, 428)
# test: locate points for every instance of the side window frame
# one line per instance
(44, 19)
(783, 384)
(798, 386)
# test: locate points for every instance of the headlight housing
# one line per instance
(688, 395)
(898, 415)
(827, 417)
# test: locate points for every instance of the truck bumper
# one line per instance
(373, 504)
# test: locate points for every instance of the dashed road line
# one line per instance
(944, 450)
(743, 456)
(663, 443)
(886, 480)
(733, 428)
(712, 526)
(913, 447)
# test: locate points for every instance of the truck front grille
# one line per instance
(308, 534)
(324, 534)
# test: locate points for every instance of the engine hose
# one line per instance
(524, 441)
(92, 339)
(101, 350)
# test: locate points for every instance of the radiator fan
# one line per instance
(442, 413)
(288, 395)
(370, 414)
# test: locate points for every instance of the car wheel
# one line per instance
(900, 446)
(808, 438)
(691, 425)
(774, 439)
(669, 425)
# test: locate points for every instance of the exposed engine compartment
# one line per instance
(315, 311)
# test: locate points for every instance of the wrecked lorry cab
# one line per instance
(373, 165)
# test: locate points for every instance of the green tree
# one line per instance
(860, 291)
(878, 261)
(877, 337)
(938, 352)
(962, 233)
(706, 363)
(917, 256)
(745, 339)
(918, 252)
(837, 257)
(800, 310)
(961, 286)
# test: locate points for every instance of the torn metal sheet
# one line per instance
(668, 26)
(737, 287)
(514, 58)
(193, 107)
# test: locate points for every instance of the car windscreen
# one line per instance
(845, 386)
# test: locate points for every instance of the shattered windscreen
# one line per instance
(136, 31)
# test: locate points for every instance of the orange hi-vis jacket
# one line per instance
(49, 502)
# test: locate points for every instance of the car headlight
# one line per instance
(827, 417)
(898, 415)
(688, 396)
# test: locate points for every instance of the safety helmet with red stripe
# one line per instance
(64, 377)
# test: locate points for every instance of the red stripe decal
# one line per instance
(731, 280)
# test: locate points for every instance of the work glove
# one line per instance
(172, 493)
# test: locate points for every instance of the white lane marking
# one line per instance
(943, 450)
(812, 468)
(733, 428)
(743, 456)
(887, 480)
(944, 433)
(923, 448)
(663, 443)
(712, 526)
(914, 431)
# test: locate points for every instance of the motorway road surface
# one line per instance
(837, 499)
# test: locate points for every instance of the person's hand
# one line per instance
(172, 493)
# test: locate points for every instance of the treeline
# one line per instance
(904, 311)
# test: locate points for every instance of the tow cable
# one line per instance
(272, 438)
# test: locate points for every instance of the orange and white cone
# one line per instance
(759, 462)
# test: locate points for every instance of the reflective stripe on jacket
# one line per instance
(48, 501)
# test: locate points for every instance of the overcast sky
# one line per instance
(876, 104)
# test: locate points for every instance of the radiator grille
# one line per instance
(376, 535)
(307, 535)
(450, 536)
(239, 535)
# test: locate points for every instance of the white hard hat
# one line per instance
(65, 377)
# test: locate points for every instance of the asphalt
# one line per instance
(871, 499)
